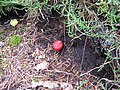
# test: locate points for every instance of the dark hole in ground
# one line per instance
(73, 50)
(91, 58)
(13, 14)
(5, 18)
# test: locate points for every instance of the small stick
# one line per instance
(83, 54)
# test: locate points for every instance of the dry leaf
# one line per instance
(13, 22)
(43, 65)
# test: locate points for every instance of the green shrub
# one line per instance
(8, 5)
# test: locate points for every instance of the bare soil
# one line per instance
(83, 52)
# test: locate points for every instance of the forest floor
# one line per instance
(34, 65)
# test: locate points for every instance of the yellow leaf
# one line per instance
(13, 22)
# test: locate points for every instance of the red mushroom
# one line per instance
(58, 45)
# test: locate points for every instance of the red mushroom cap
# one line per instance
(58, 45)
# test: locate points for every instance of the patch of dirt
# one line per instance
(78, 55)
(83, 52)
(5, 27)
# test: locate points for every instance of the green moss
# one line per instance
(15, 40)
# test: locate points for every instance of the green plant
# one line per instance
(81, 84)
(8, 5)
(14, 40)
